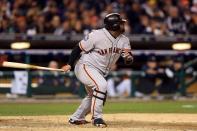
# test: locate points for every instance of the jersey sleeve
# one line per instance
(87, 43)
(126, 44)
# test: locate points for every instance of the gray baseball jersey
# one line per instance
(100, 51)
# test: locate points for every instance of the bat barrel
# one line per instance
(27, 66)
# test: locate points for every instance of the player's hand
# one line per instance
(66, 68)
(127, 55)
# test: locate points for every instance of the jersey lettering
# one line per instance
(109, 51)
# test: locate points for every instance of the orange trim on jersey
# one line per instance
(96, 88)
(81, 47)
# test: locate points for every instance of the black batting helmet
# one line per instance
(112, 21)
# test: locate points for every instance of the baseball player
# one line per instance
(99, 51)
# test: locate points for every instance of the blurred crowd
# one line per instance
(59, 17)
(164, 77)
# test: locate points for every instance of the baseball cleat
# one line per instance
(99, 122)
(77, 122)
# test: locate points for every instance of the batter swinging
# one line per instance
(100, 50)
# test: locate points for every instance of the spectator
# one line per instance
(47, 83)
(21, 25)
(124, 87)
(4, 26)
(94, 22)
(177, 68)
(144, 26)
(40, 24)
(5, 9)
(50, 10)
(147, 84)
(66, 28)
(86, 22)
(119, 87)
(54, 81)
(56, 25)
(78, 27)
(174, 22)
(71, 16)
(166, 4)
(193, 25)
(168, 85)
(32, 13)
(133, 14)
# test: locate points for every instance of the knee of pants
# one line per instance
(102, 86)
(101, 92)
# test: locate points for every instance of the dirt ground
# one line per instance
(116, 122)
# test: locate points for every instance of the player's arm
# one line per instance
(127, 53)
(85, 45)
(75, 54)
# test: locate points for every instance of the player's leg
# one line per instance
(85, 107)
(90, 77)
(79, 115)
(99, 94)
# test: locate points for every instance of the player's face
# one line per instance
(122, 27)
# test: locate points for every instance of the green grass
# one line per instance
(15, 109)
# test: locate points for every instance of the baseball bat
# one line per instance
(26, 66)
